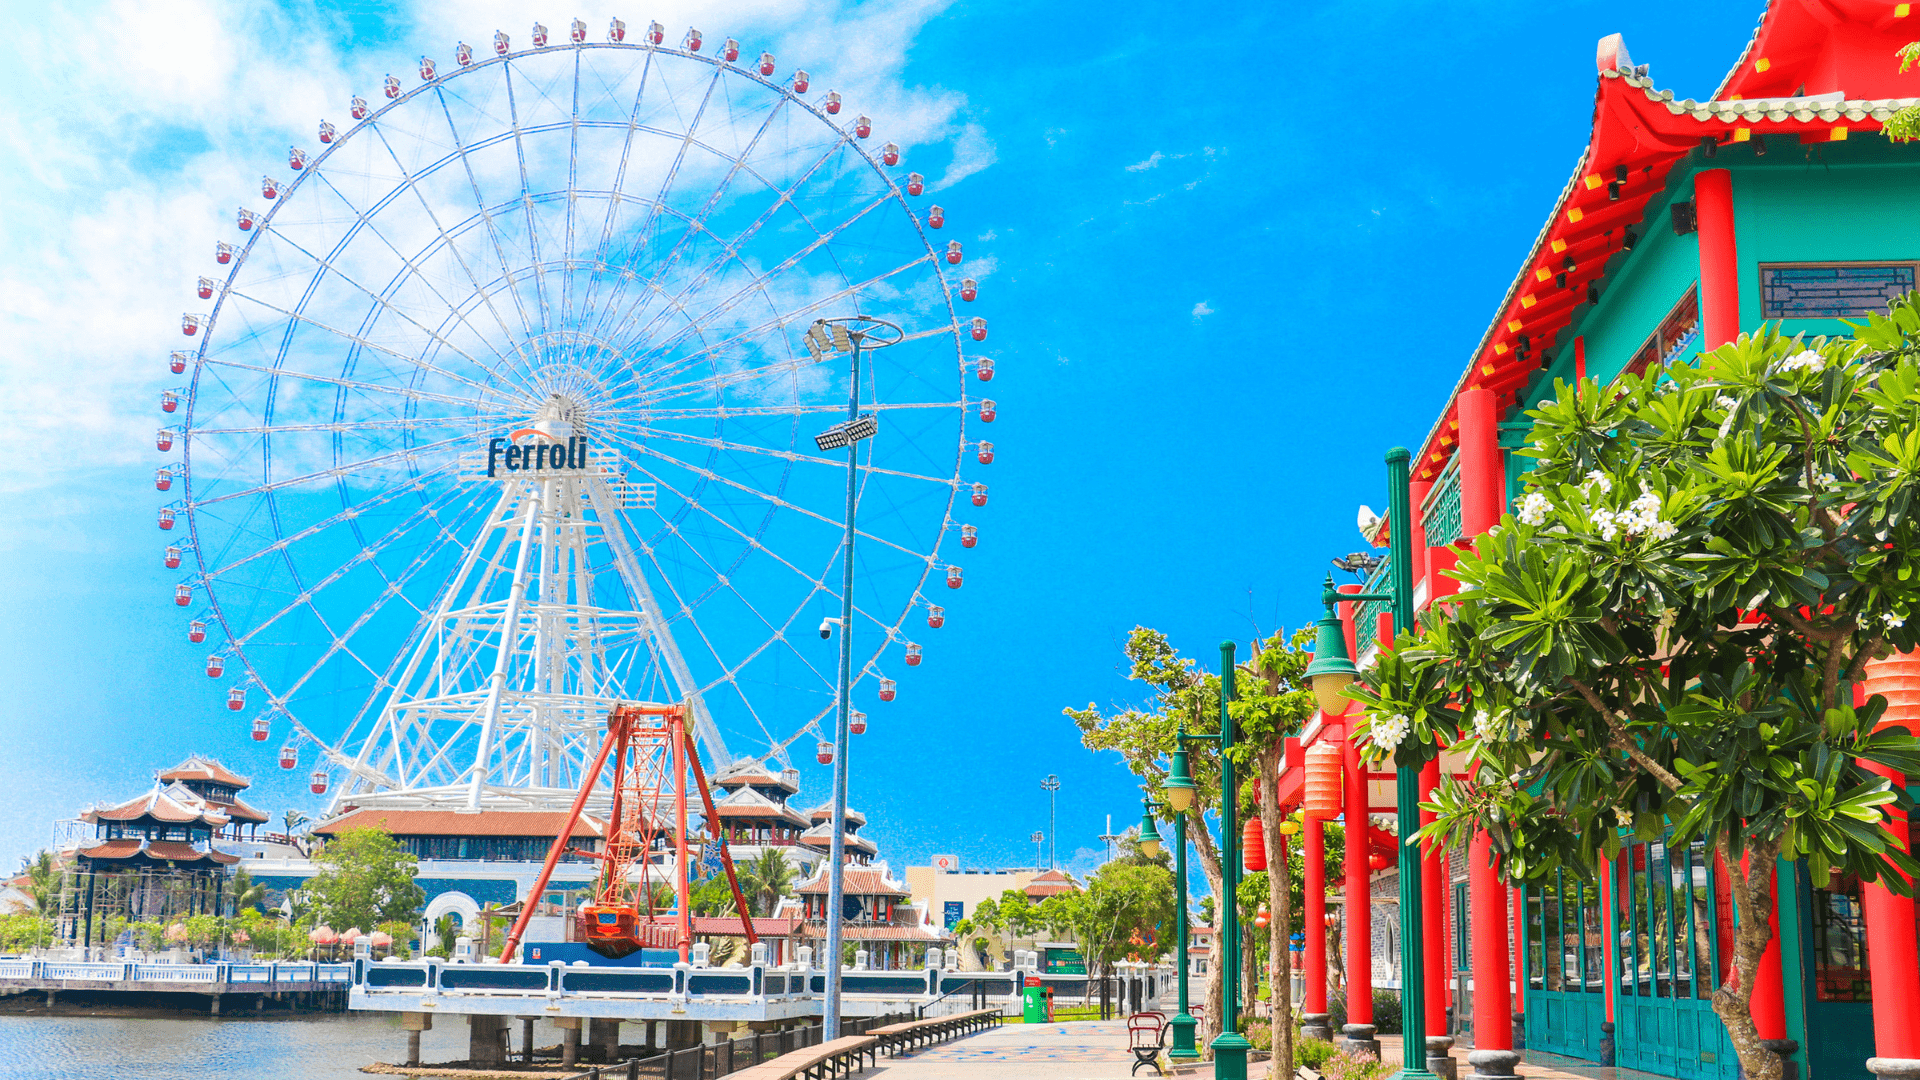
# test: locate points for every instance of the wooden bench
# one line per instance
(835, 1058)
(915, 1033)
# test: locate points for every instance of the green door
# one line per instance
(1462, 966)
(1565, 967)
(1671, 916)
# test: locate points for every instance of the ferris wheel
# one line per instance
(500, 406)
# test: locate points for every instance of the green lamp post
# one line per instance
(1178, 788)
(1330, 673)
(1229, 1047)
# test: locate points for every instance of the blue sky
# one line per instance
(1240, 250)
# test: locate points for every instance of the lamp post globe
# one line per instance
(1178, 786)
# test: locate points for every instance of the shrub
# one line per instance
(1258, 1032)
(1386, 1011)
(1312, 1053)
(1345, 1066)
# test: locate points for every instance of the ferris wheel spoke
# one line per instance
(729, 249)
(365, 343)
(388, 306)
(412, 182)
(687, 143)
(775, 500)
(409, 393)
(822, 408)
(338, 472)
(480, 203)
(761, 282)
(690, 359)
(643, 431)
(404, 423)
(334, 520)
(619, 183)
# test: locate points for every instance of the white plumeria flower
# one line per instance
(1808, 359)
(1534, 509)
(1622, 817)
(1725, 403)
(1607, 522)
(1600, 478)
(1893, 621)
(1663, 530)
(1388, 731)
(1828, 480)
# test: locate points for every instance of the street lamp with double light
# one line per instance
(851, 335)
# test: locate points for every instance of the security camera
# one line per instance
(826, 628)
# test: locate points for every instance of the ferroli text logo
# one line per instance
(543, 454)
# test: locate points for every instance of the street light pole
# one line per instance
(1183, 1021)
(1330, 673)
(1051, 785)
(848, 335)
(1229, 1047)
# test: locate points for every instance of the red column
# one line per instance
(1359, 902)
(1314, 921)
(1492, 998)
(1608, 984)
(1719, 257)
(1433, 909)
(1483, 476)
(1891, 946)
(1769, 996)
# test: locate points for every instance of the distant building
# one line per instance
(880, 918)
(953, 895)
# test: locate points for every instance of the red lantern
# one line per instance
(823, 752)
(163, 479)
(1333, 919)
(913, 655)
(969, 536)
(979, 494)
(1262, 919)
(216, 665)
(953, 577)
(196, 630)
(730, 51)
(204, 290)
(317, 783)
(296, 158)
(916, 183)
(289, 757)
(953, 253)
(936, 217)
(261, 729)
(691, 41)
(1324, 783)
(857, 723)
(984, 368)
(890, 154)
(833, 103)
(359, 108)
(172, 558)
(936, 616)
(887, 687)
(163, 438)
(182, 595)
(987, 411)
(1377, 861)
(969, 289)
(166, 518)
(1253, 845)
(862, 127)
(1897, 678)
(986, 453)
(800, 82)
(766, 63)
(326, 132)
(237, 700)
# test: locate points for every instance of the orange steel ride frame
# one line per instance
(632, 833)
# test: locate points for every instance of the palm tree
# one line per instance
(294, 820)
(43, 883)
(765, 880)
(247, 893)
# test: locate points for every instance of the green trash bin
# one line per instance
(1033, 1000)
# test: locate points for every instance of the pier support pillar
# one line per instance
(653, 1031)
(487, 1040)
(682, 1034)
(603, 1040)
(50, 996)
(213, 1008)
(569, 1038)
(526, 1039)
(413, 1048)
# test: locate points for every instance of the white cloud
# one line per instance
(122, 163)
(1153, 161)
(1201, 311)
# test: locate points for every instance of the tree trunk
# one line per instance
(1279, 887)
(1208, 856)
(1752, 893)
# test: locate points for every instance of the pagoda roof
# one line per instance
(240, 811)
(879, 932)
(198, 767)
(1051, 883)
(174, 804)
(821, 836)
(824, 812)
(857, 881)
(1819, 81)
(729, 926)
(454, 823)
(748, 803)
(134, 849)
(755, 771)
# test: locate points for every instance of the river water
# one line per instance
(310, 1047)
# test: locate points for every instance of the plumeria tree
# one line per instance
(1666, 639)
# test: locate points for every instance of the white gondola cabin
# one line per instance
(163, 439)
(969, 536)
(172, 557)
(913, 655)
(936, 616)
(261, 729)
(163, 479)
(801, 80)
(196, 630)
(953, 577)
(936, 217)
(988, 410)
(216, 666)
(237, 700)
(969, 289)
(979, 494)
(887, 689)
(183, 594)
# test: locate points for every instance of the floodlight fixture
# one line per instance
(843, 434)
